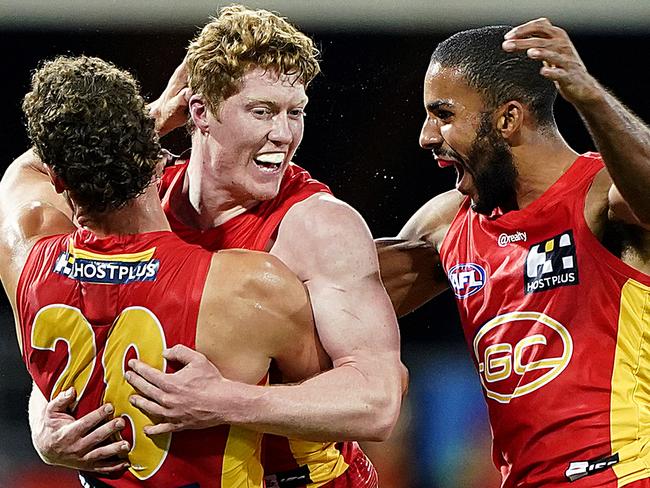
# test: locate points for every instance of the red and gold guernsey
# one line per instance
(86, 306)
(287, 463)
(558, 330)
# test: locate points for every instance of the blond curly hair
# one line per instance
(239, 39)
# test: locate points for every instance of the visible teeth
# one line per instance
(270, 158)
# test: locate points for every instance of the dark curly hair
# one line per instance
(499, 76)
(88, 122)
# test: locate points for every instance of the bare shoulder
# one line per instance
(25, 181)
(321, 213)
(24, 225)
(431, 221)
(325, 237)
(39, 219)
(256, 277)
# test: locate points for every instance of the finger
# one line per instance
(550, 57)
(541, 27)
(554, 73)
(180, 73)
(62, 401)
(181, 100)
(161, 428)
(143, 386)
(82, 425)
(187, 94)
(109, 467)
(102, 433)
(119, 448)
(152, 375)
(182, 354)
(147, 406)
(523, 44)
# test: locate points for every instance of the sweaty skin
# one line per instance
(263, 314)
(336, 259)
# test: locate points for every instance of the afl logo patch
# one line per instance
(466, 279)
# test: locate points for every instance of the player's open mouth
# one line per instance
(445, 163)
(269, 162)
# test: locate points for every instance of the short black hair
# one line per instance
(497, 75)
(88, 122)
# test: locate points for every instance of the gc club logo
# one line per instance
(520, 352)
(466, 279)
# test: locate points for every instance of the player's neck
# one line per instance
(204, 202)
(539, 165)
(142, 214)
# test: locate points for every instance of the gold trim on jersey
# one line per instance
(241, 467)
(630, 395)
(76, 253)
(325, 460)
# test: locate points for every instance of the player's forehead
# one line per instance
(445, 86)
(260, 84)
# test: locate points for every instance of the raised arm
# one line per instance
(621, 137)
(31, 207)
(170, 109)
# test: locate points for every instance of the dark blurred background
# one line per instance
(361, 138)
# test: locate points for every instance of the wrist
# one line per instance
(154, 113)
(592, 96)
(245, 403)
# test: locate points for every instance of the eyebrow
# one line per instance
(271, 103)
(439, 103)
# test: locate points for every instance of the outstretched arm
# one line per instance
(410, 263)
(411, 272)
(620, 136)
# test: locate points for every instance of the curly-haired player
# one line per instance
(121, 285)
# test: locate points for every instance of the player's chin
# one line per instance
(267, 191)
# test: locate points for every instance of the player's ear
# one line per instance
(56, 180)
(510, 119)
(199, 113)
